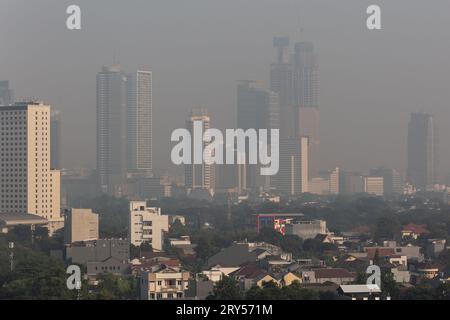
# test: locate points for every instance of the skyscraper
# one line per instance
(306, 99)
(256, 109)
(27, 182)
(281, 82)
(111, 129)
(6, 94)
(422, 169)
(292, 178)
(55, 131)
(139, 123)
(199, 176)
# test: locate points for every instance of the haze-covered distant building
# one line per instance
(256, 109)
(56, 143)
(111, 129)
(140, 123)
(292, 178)
(374, 186)
(306, 99)
(6, 94)
(199, 176)
(281, 82)
(422, 169)
(392, 179)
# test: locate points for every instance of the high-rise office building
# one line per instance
(305, 76)
(199, 176)
(139, 123)
(292, 177)
(27, 182)
(6, 94)
(111, 129)
(306, 99)
(56, 143)
(256, 109)
(422, 169)
(281, 82)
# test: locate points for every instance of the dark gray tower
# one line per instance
(422, 169)
(111, 129)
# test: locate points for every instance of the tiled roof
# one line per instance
(382, 252)
(333, 273)
(249, 271)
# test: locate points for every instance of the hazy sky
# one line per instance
(370, 81)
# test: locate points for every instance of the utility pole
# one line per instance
(229, 206)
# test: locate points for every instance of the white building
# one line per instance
(28, 184)
(140, 123)
(147, 225)
(164, 283)
(307, 229)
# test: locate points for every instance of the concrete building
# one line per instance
(27, 182)
(111, 129)
(256, 109)
(334, 181)
(140, 123)
(164, 282)
(98, 250)
(374, 185)
(147, 225)
(307, 229)
(81, 225)
(281, 82)
(392, 180)
(199, 176)
(319, 186)
(292, 177)
(326, 183)
(422, 171)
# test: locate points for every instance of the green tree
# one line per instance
(226, 289)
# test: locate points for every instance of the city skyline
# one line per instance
(346, 106)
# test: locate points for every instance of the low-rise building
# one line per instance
(147, 225)
(97, 250)
(307, 229)
(360, 291)
(80, 225)
(162, 282)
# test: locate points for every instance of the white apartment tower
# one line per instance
(199, 176)
(147, 225)
(139, 123)
(27, 182)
